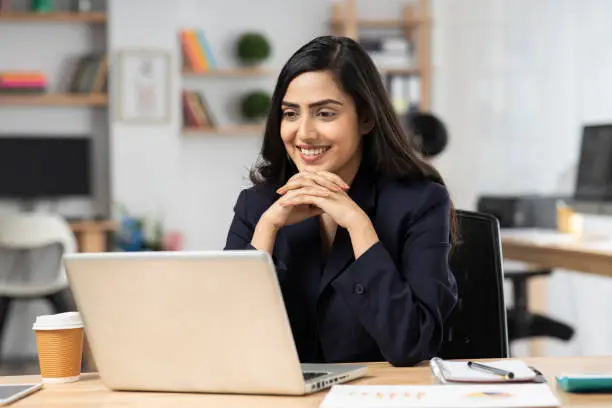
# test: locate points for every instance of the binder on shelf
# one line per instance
(90, 75)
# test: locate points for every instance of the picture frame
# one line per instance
(143, 86)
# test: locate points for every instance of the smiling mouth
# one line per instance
(313, 151)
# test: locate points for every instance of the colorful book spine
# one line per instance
(205, 46)
(5, 5)
(195, 113)
(194, 53)
(16, 81)
(197, 53)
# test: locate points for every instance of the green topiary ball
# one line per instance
(255, 105)
(252, 48)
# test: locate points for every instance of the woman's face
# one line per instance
(320, 127)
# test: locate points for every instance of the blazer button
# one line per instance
(359, 289)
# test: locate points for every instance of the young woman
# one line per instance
(358, 225)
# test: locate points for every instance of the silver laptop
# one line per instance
(192, 322)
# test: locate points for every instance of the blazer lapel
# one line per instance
(304, 239)
(340, 256)
(363, 192)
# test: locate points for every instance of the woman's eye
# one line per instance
(326, 114)
(289, 114)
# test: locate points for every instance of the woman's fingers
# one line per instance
(303, 199)
(311, 191)
(329, 181)
(334, 178)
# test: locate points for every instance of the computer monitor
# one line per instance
(594, 180)
(35, 167)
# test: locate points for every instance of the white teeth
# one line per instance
(313, 152)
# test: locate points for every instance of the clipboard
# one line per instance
(458, 372)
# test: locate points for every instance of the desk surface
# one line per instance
(551, 249)
(90, 392)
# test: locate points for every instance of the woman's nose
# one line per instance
(306, 128)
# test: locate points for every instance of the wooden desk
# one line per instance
(92, 235)
(550, 249)
(90, 392)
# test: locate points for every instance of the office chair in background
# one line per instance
(477, 327)
(31, 250)
(526, 212)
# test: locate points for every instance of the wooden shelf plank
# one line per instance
(55, 16)
(399, 71)
(231, 72)
(55, 99)
(224, 130)
(382, 23)
(371, 23)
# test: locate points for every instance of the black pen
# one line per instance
(508, 375)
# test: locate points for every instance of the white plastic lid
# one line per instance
(68, 320)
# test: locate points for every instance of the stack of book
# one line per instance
(5, 5)
(197, 54)
(405, 93)
(91, 75)
(390, 52)
(195, 111)
(22, 82)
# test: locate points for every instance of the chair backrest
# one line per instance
(31, 247)
(477, 327)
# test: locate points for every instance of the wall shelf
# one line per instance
(399, 71)
(224, 130)
(55, 99)
(415, 24)
(54, 17)
(230, 72)
(381, 24)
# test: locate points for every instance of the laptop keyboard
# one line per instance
(311, 375)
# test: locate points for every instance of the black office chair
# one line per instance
(534, 212)
(477, 327)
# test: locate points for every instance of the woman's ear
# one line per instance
(366, 124)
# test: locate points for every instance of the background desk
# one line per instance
(550, 249)
(90, 392)
(92, 236)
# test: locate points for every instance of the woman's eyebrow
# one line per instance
(314, 104)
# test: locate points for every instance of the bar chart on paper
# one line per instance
(440, 396)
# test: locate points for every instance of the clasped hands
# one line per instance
(309, 194)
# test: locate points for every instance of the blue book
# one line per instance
(212, 64)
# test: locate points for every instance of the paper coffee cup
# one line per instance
(60, 346)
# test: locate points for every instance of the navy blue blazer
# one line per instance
(390, 303)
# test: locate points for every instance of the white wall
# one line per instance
(505, 83)
(54, 49)
(192, 182)
(584, 299)
(515, 80)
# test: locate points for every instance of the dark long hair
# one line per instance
(387, 148)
